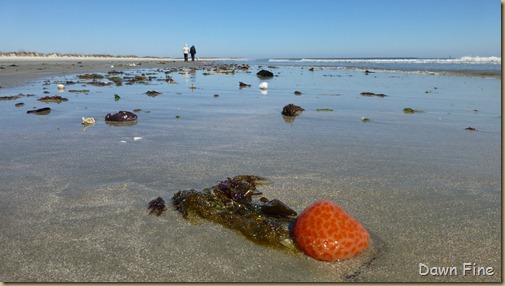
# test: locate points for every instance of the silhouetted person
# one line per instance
(192, 51)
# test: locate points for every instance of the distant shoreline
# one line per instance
(58, 56)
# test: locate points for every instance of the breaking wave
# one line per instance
(461, 60)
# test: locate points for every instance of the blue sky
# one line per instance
(254, 28)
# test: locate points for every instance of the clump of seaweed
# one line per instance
(365, 93)
(153, 93)
(117, 80)
(56, 98)
(292, 110)
(93, 76)
(157, 206)
(230, 203)
(409, 110)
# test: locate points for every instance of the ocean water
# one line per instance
(74, 197)
(473, 66)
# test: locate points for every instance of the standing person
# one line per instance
(185, 51)
(192, 51)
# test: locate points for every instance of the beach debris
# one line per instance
(324, 109)
(99, 83)
(169, 79)
(216, 95)
(56, 98)
(367, 72)
(365, 93)
(324, 231)
(117, 80)
(264, 85)
(230, 203)
(136, 79)
(116, 97)
(153, 93)
(192, 87)
(298, 93)
(292, 110)
(93, 76)
(364, 119)
(242, 85)
(242, 67)
(61, 87)
(115, 72)
(79, 90)
(19, 104)
(137, 138)
(40, 111)
(157, 206)
(470, 129)
(311, 69)
(409, 110)
(264, 74)
(121, 116)
(88, 120)
(224, 69)
(11, 97)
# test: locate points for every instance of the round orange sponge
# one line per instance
(324, 231)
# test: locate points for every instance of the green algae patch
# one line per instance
(231, 204)
(117, 80)
(409, 110)
(324, 109)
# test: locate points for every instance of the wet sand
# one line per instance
(74, 201)
(22, 70)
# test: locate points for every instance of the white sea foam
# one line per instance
(461, 60)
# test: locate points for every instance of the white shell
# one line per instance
(89, 120)
(264, 85)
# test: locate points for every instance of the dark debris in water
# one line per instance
(157, 206)
(292, 110)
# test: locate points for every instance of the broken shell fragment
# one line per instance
(89, 120)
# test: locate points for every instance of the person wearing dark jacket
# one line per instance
(192, 51)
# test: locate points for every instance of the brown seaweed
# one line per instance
(231, 204)
(121, 116)
(157, 206)
(292, 110)
(56, 98)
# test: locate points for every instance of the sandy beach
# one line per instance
(74, 198)
(16, 71)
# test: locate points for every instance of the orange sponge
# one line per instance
(324, 231)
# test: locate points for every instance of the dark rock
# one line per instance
(121, 116)
(41, 111)
(264, 73)
(241, 84)
(292, 110)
